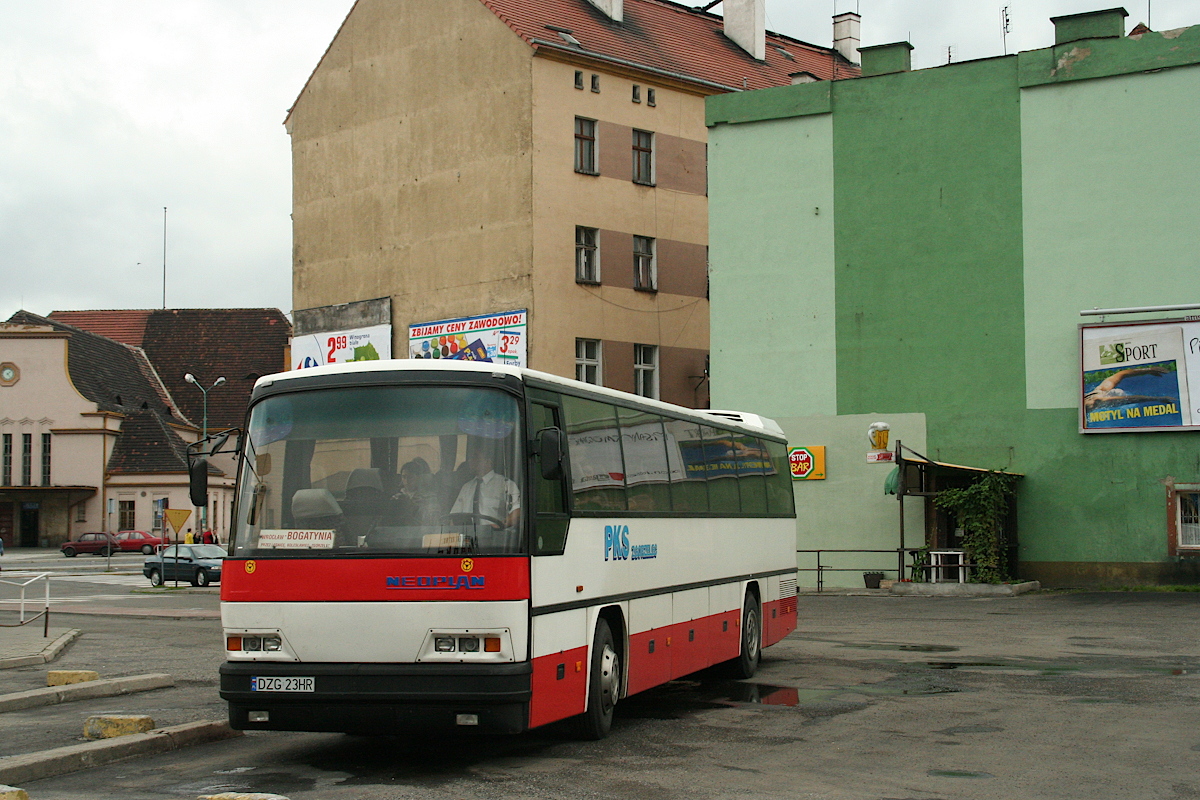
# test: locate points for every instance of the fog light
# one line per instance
(259, 716)
(467, 719)
(491, 644)
(444, 644)
(251, 643)
(468, 645)
(272, 643)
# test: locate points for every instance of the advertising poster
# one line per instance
(498, 338)
(342, 347)
(1140, 377)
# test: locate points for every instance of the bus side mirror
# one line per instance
(198, 481)
(550, 453)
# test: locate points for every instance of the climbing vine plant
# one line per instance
(980, 510)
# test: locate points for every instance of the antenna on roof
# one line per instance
(164, 256)
(1005, 28)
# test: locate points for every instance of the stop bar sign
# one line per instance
(807, 463)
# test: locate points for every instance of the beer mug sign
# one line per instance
(877, 435)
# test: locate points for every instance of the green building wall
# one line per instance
(919, 244)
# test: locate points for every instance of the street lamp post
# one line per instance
(190, 378)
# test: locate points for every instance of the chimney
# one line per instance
(846, 36)
(613, 9)
(885, 59)
(746, 25)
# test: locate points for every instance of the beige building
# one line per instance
(469, 157)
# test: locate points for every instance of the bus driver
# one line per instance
(488, 495)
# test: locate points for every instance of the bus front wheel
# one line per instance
(604, 686)
(746, 664)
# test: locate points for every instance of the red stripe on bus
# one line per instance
(672, 651)
(779, 619)
(555, 697)
(300, 580)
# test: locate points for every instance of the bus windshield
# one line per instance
(381, 470)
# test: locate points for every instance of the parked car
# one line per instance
(131, 541)
(199, 564)
(101, 544)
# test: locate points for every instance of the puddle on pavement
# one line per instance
(907, 648)
(969, 729)
(957, 773)
(957, 664)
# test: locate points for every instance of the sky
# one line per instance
(112, 110)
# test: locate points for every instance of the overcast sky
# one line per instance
(112, 109)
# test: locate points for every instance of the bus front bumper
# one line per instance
(377, 698)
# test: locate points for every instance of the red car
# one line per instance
(99, 543)
(130, 541)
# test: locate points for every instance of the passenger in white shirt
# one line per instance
(489, 493)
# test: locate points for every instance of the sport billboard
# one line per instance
(1140, 377)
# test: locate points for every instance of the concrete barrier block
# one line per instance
(109, 726)
(13, 793)
(65, 677)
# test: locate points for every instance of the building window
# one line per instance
(1189, 519)
(643, 157)
(637, 93)
(645, 275)
(6, 477)
(585, 146)
(596, 83)
(81, 512)
(578, 79)
(645, 370)
(160, 506)
(126, 518)
(650, 97)
(587, 255)
(587, 361)
(45, 459)
(26, 459)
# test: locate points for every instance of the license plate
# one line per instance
(283, 684)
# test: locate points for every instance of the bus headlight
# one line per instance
(444, 644)
(467, 645)
(470, 645)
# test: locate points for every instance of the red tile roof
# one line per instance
(239, 344)
(128, 326)
(668, 37)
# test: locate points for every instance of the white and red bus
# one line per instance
(458, 544)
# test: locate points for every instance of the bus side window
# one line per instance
(594, 442)
(647, 477)
(689, 474)
(780, 498)
(722, 469)
(550, 519)
(752, 461)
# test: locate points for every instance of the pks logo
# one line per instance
(616, 542)
(618, 548)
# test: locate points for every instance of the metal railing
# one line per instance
(24, 580)
(821, 569)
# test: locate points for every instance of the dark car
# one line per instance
(132, 541)
(101, 544)
(198, 564)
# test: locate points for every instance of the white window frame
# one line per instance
(645, 370)
(587, 254)
(589, 356)
(645, 264)
(1187, 513)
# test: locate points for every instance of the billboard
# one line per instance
(341, 347)
(1140, 377)
(500, 338)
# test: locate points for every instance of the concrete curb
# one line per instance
(84, 691)
(48, 654)
(964, 589)
(48, 763)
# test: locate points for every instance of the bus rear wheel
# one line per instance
(604, 686)
(746, 664)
